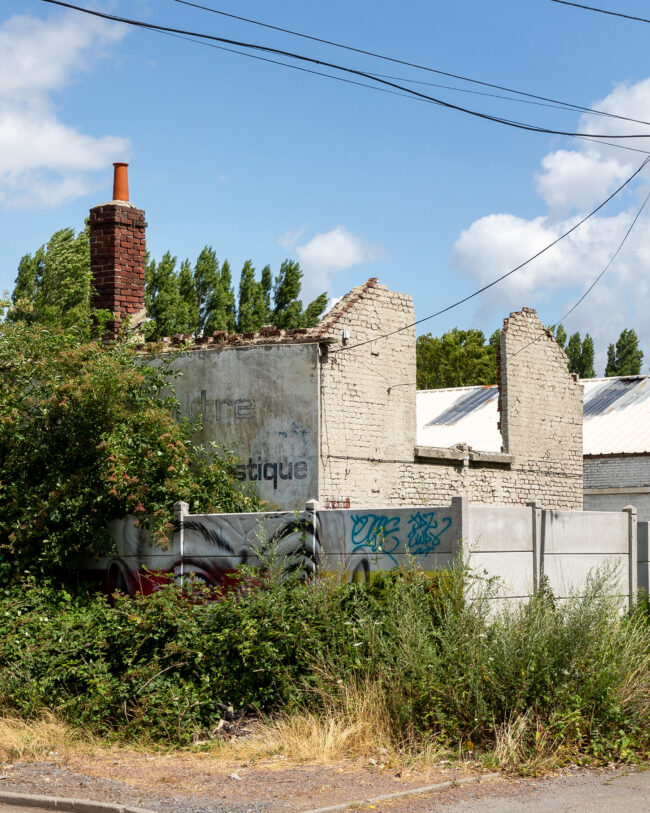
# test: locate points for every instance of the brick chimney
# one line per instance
(117, 254)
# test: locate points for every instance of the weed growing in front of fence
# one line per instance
(404, 667)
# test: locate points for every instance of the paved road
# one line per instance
(620, 791)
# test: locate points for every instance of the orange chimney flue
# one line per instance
(121, 181)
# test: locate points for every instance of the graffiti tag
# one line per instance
(376, 533)
(425, 532)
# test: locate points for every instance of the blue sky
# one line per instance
(264, 162)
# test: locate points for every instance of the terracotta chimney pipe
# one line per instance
(121, 182)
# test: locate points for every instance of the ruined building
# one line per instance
(329, 413)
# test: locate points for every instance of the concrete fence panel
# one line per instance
(498, 542)
(515, 545)
(576, 543)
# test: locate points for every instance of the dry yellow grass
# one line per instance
(356, 727)
(522, 746)
(27, 740)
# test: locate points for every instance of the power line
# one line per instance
(379, 89)
(603, 11)
(596, 281)
(301, 57)
(330, 76)
(500, 278)
(568, 105)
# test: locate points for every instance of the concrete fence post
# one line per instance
(459, 523)
(632, 549)
(181, 510)
(536, 520)
(643, 573)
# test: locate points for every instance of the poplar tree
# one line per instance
(266, 282)
(581, 355)
(163, 299)
(207, 284)
(587, 358)
(190, 297)
(246, 302)
(228, 294)
(286, 290)
(560, 335)
(53, 286)
(573, 351)
(626, 357)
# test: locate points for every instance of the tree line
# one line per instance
(53, 287)
(463, 358)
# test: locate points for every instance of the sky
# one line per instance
(264, 162)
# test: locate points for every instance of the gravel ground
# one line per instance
(197, 783)
(194, 784)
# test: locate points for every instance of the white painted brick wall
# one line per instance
(367, 415)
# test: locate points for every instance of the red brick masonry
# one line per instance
(117, 259)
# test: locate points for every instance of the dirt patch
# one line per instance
(199, 783)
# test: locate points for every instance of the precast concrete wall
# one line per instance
(577, 543)
(261, 402)
(356, 543)
(515, 547)
(499, 542)
(642, 557)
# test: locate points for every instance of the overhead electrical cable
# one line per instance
(500, 278)
(354, 82)
(603, 11)
(596, 281)
(301, 57)
(397, 61)
(331, 76)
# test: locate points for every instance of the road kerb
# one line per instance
(69, 805)
(469, 780)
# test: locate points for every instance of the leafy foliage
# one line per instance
(626, 357)
(446, 666)
(459, 358)
(53, 286)
(581, 355)
(85, 437)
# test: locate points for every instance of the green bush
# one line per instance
(164, 667)
(86, 435)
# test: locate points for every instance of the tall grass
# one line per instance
(396, 670)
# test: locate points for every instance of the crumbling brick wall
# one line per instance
(367, 397)
(367, 416)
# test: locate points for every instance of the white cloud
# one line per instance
(572, 182)
(44, 162)
(331, 252)
(291, 237)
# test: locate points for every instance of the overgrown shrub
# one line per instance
(87, 435)
(447, 669)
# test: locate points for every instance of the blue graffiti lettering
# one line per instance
(425, 532)
(376, 533)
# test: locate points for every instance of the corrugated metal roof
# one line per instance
(616, 416)
(459, 415)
